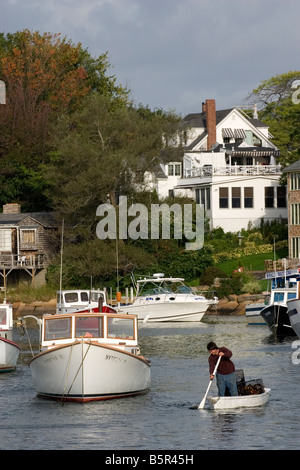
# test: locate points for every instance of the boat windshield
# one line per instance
(120, 329)
(57, 328)
(95, 296)
(164, 287)
(3, 319)
(89, 327)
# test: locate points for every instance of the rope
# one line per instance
(26, 332)
(81, 364)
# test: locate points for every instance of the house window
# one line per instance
(249, 161)
(202, 196)
(295, 214)
(281, 196)
(269, 196)
(27, 238)
(249, 138)
(208, 198)
(248, 197)
(174, 169)
(170, 170)
(235, 198)
(5, 240)
(237, 160)
(294, 181)
(177, 169)
(295, 247)
(223, 198)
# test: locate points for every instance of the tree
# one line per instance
(278, 108)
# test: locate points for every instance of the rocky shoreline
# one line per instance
(230, 305)
(236, 304)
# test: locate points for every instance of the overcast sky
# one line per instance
(174, 54)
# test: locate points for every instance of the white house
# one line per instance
(229, 166)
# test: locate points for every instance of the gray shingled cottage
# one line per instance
(27, 244)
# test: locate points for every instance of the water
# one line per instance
(167, 417)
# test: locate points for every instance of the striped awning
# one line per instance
(227, 132)
(239, 134)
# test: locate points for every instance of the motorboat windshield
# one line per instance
(162, 286)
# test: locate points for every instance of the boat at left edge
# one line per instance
(89, 356)
(9, 350)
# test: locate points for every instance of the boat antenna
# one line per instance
(117, 257)
(61, 261)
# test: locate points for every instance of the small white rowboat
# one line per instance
(242, 401)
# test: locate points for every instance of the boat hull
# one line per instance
(243, 401)
(9, 354)
(168, 310)
(88, 371)
(277, 319)
(252, 313)
(294, 315)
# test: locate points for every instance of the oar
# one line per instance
(201, 406)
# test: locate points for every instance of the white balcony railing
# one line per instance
(209, 170)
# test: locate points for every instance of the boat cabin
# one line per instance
(112, 329)
(78, 300)
(6, 320)
(284, 290)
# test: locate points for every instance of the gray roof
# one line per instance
(293, 167)
(44, 218)
(199, 119)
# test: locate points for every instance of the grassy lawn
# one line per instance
(251, 262)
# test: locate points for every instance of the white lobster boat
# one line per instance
(167, 299)
(241, 401)
(88, 356)
(82, 299)
(9, 351)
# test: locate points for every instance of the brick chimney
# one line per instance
(209, 107)
(12, 208)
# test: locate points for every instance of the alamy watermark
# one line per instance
(296, 93)
(296, 354)
(136, 222)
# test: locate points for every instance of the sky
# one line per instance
(174, 54)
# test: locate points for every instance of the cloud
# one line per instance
(174, 54)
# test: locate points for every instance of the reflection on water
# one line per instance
(167, 417)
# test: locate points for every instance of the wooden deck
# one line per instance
(10, 261)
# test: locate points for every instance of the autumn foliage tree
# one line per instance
(46, 76)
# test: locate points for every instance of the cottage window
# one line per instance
(295, 214)
(295, 181)
(269, 196)
(235, 198)
(295, 247)
(27, 238)
(5, 240)
(223, 198)
(248, 197)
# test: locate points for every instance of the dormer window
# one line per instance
(174, 169)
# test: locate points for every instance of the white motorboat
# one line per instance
(82, 299)
(252, 313)
(9, 350)
(293, 307)
(87, 356)
(167, 299)
(241, 401)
